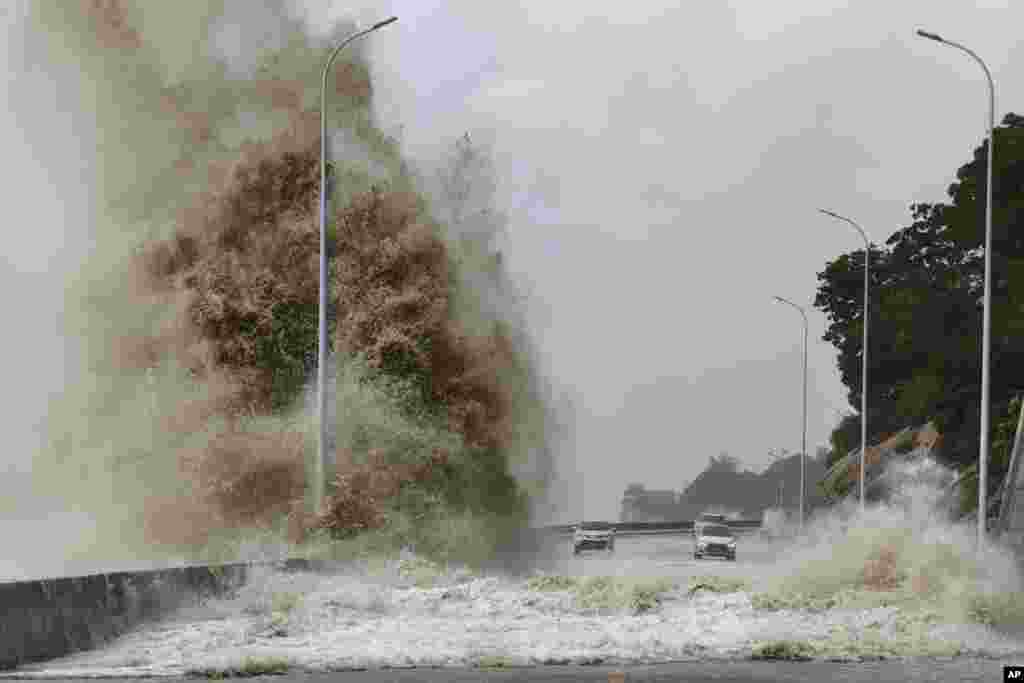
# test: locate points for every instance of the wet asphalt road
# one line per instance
(661, 556)
(966, 670)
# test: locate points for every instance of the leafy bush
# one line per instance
(611, 593)
(716, 584)
(420, 570)
(644, 597)
(997, 609)
(793, 601)
(904, 442)
(285, 602)
(490, 659)
(551, 582)
(908, 638)
(606, 592)
(783, 649)
(249, 666)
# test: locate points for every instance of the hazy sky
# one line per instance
(661, 167)
(662, 163)
(44, 160)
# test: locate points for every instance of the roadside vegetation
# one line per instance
(716, 584)
(783, 650)
(607, 593)
(245, 668)
(635, 596)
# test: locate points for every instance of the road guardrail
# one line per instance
(654, 527)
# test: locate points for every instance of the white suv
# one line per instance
(593, 536)
(714, 539)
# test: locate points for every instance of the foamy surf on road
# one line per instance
(410, 612)
(899, 580)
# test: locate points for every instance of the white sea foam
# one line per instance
(354, 620)
(901, 580)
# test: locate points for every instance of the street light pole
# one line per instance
(321, 375)
(864, 357)
(987, 314)
(803, 442)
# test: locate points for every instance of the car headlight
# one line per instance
(732, 543)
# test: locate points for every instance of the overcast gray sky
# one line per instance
(661, 166)
(662, 163)
(42, 176)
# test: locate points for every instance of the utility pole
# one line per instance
(320, 467)
(986, 344)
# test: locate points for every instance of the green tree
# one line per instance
(723, 462)
(925, 298)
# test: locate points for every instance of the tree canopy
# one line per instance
(925, 307)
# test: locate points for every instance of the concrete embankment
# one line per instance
(50, 618)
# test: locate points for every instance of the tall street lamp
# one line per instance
(987, 315)
(864, 357)
(321, 377)
(803, 443)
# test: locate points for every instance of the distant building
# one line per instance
(643, 505)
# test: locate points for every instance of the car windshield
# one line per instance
(596, 526)
(716, 530)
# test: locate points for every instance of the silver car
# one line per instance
(716, 540)
(593, 536)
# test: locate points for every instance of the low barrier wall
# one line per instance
(50, 618)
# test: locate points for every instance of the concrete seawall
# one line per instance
(50, 618)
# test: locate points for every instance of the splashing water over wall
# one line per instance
(906, 552)
(190, 119)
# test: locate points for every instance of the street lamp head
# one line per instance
(930, 36)
(382, 24)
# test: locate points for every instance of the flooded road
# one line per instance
(648, 606)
